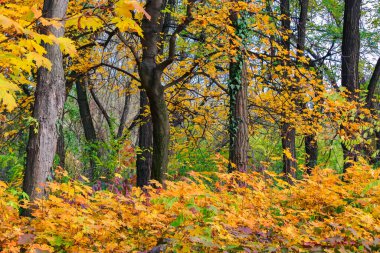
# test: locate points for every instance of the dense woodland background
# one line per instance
(189, 126)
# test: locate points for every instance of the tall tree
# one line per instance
(350, 63)
(311, 145)
(237, 89)
(288, 132)
(48, 106)
(151, 71)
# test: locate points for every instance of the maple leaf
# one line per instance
(6, 93)
(39, 59)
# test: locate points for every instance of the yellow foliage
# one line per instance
(211, 212)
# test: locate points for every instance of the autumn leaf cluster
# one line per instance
(209, 212)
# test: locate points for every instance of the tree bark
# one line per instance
(238, 115)
(88, 125)
(61, 150)
(288, 132)
(350, 65)
(377, 158)
(150, 74)
(311, 149)
(160, 120)
(351, 47)
(311, 145)
(288, 137)
(48, 107)
(144, 159)
(373, 83)
(239, 140)
(301, 27)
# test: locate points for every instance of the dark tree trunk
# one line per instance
(61, 151)
(150, 74)
(288, 137)
(350, 64)
(288, 132)
(144, 159)
(48, 107)
(373, 82)
(351, 46)
(160, 120)
(377, 158)
(311, 148)
(311, 145)
(238, 115)
(88, 125)
(301, 27)
(374, 107)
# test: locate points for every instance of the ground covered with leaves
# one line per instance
(212, 212)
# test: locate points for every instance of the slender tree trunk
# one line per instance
(377, 137)
(311, 149)
(288, 132)
(288, 137)
(373, 83)
(301, 27)
(88, 125)
(150, 75)
(144, 159)
(48, 107)
(311, 145)
(61, 148)
(238, 115)
(160, 120)
(350, 64)
(61, 151)
(124, 116)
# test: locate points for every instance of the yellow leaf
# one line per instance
(39, 59)
(67, 46)
(288, 154)
(6, 93)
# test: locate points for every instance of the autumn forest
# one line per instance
(189, 126)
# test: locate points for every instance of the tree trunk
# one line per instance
(124, 115)
(311, 149)
(48, 107)
(311, 145)
(239, 141)
(288, 140)
(301, 27)
(288, 132)
(144, 159)
(238, 115)
(150, 75)
(160, 120)
(350, 64)
(377, 158)
(61, 151)
(373, 83)
(88, 125)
